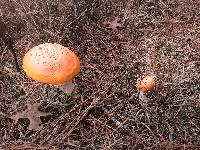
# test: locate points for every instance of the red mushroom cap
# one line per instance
(145, 84)
(51, 63)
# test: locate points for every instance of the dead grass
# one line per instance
(158, 37)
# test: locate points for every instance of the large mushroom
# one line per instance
(52, 64)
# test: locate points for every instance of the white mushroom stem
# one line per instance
(66, 87)
(143, 98)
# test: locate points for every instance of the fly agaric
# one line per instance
(52, 64)
(145, 83)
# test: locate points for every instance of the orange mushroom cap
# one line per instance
(145, 84)
(51, 63)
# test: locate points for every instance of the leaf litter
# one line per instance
(33, 114)
(115, 24)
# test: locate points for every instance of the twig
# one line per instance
(9, 42)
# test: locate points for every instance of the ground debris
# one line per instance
(115, 24)
(2, 114)
(33, 114)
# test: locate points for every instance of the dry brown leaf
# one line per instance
(33, 114)
(115, 24)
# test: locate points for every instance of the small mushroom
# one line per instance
(52, 64)
(145, 84)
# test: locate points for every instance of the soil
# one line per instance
(117, 41)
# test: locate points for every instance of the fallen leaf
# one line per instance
(115, 24)
(33, 114)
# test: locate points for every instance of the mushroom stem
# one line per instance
(66, 87)
(143, 98)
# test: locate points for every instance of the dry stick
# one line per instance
(57, 122)
(62, 117)
(110, 114)
(63, 35)
(76, 121)
(22, 5)
(82, 115)
(93, 104)
(8, 42)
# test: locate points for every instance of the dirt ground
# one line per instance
(117, 41)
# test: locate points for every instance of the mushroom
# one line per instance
(143, 85)
(52, 64)
(146, 83)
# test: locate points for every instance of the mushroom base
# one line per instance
(143, 98)
(67, 87)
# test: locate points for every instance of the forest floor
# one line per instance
(117, 41)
